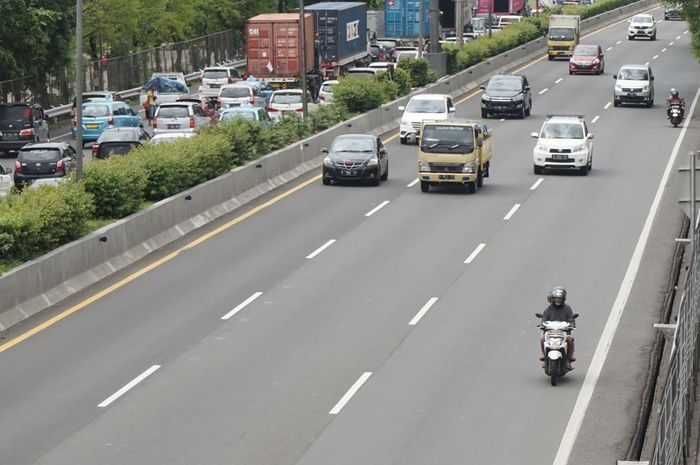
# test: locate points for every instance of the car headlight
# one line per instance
(579, 148)
(374, 161)
(485, 97)
(469, 167)
(541, 148)
(328, 162)
(518, 97)
(595, 61)
(618, 88)
(423, 166)
(646, 88)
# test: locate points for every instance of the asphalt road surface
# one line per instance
(341, 325)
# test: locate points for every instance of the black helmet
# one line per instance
(557, 292)
(674, 93)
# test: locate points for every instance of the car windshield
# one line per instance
(504, 83)
(642, 20)
(348, 144)
(426, 106)
(328, 88)
(286, 97)
(631, 74)
(119, 135)
(447, 139)
(408, 54)
(95, 111)
(561, 33)
(173, 112)
(15, 113)
(236, 92)
(360, 73)
(586, 51)
(562, 131)
(118, 148)
(230, 115)
(38, 155)
(215, 74)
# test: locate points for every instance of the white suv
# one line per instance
(179, 117)
(420, 107)
(216, 76)
(563, 143)
(642, 26)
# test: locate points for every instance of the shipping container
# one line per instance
(402, 18)
(341, 30)
(274, 46)
(501, 7)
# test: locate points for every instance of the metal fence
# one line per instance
(128, 71)
(673, 434)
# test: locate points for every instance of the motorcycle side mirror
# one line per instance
(575, 315)
(324, 150)
(538, 315)
(614, 76)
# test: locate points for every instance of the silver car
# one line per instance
(179, 117)
(325, 94)
(237, 94)
(213, 78)
(634, 84)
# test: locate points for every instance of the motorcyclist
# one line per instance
(559, 310)
(674, 98)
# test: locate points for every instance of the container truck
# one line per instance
(563, 35)
(402, 19)
(341, 34)
(501, 7)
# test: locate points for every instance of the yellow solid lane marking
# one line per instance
(24, 336)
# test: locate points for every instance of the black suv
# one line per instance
(21, 124)
(43, 160)
(506, 95)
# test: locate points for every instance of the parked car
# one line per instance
(21, 124)
(356, 157)
(234, 95)
(506, 94)
(563, 143)
(642, 25)
(43, 160)
(587, 59)
(101, 114)
(168, 137)
(325, 93)
(119, 141)
(37, 183)
(248, 113)
(288, 100)
(179, 117)
(422, 107)
(214, 77)
(634, 84)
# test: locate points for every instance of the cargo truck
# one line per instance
(563, 35)
(454, 152)
(402, 19)
(501, 7)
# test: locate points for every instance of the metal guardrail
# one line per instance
(63, 110)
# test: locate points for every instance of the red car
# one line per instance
(587, 59)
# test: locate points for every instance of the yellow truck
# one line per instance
(563, 36)
(456, 152)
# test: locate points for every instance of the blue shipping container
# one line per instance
(402, 18)
(341, 29)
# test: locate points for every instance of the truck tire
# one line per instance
(470, 187)
(487, 172)
(550, 57)
(479, 178)
(402, 140)
(424, 186)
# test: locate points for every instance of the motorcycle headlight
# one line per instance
(423, 166)
(328, 162)
(579, 148)
(374, 161)
(469, 167)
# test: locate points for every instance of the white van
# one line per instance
(506, 20)
(421, 107)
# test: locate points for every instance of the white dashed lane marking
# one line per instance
(473, 255)
(618, 42)
(607, 105)
(412, 183)
(423, 311)
(608, 49)
(536, 184)
(595, 119)
(320, 249)
(663, 50)
(655, 57)
(377, 208)
(351, 392)
(242, 305)
(558, 80)
(543, 91)
(511, 212)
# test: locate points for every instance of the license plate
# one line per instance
(560, 157)
(173, 126)
(214, 86)
(92, 126)
(631, 94)
(348, 173)
(446, 176)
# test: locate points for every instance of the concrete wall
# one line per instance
(43, 282)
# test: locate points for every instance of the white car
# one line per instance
(237, 94)
(642, 26)
(406, 54)
(214, 77)
(167, 137)
(6, 180)
(183, 116)
(420, 107)
(288, 100)
(382, 65)
(507, 20)
(325, 94)
(563, 143)
(363, 72)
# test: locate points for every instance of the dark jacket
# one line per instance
(554, 313)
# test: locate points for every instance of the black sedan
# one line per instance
(506, 95)
(43, 160)
(356, 157)
(119, 141)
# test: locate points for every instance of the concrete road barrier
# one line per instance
(53, 277)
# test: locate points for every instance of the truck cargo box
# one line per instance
(341, 29)
(501, 7)
(274, 46)
(402, 18)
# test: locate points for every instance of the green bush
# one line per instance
(403, 80)
(39, 220)
(117, 185)
(243, 137)
(450, 52)
(417, 68)
(328, 116)
(358, 94)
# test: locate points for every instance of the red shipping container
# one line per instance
(273, 46)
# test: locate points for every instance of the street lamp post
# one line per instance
(302, 56)
(79, 88)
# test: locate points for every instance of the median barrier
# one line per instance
(51, 278)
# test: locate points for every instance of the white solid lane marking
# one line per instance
(543, 91)
(412, 183)
(320, 249)
(351, 392)
(663, 50)
(618, 42)
(377, 208)
(423, 311)
(608, 49)
(601, 352)
(242, 305)
(655, 57)
(536, 184)
(511, 212)
(473, 255)
(607, 105)
(595, 119)
(558, 80)
(128, 386)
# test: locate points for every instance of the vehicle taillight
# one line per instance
(270, 109)
(60, 166)
(300, 109)
(18, 166)
(110, 120)
(95, 149)
(26, 132)
(191, 122)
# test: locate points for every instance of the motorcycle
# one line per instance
(555, 347)
(676, 113)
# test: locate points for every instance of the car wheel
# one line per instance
(385, 176)
(653, 37)
(616, 103)
(650, 103)
(537, 169)
(583, 171)
(550, 57)
(484, 114)
(403, 140)
(424, 186)
(528, 112)
(590, 163)
(571, 73)
(630, 37)
(326, 181)
(522, 112)
(376, 181)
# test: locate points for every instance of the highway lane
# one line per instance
(259, 388)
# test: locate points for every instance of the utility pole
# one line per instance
(421, 28)
(79, 88)
(459, 24)
(490, 16)
(302, 55)
(434, 26)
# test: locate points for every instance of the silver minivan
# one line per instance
(179, 117)
(216, 76)
(634, 84)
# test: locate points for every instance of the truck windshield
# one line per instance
(447, 139)
(561, 33)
